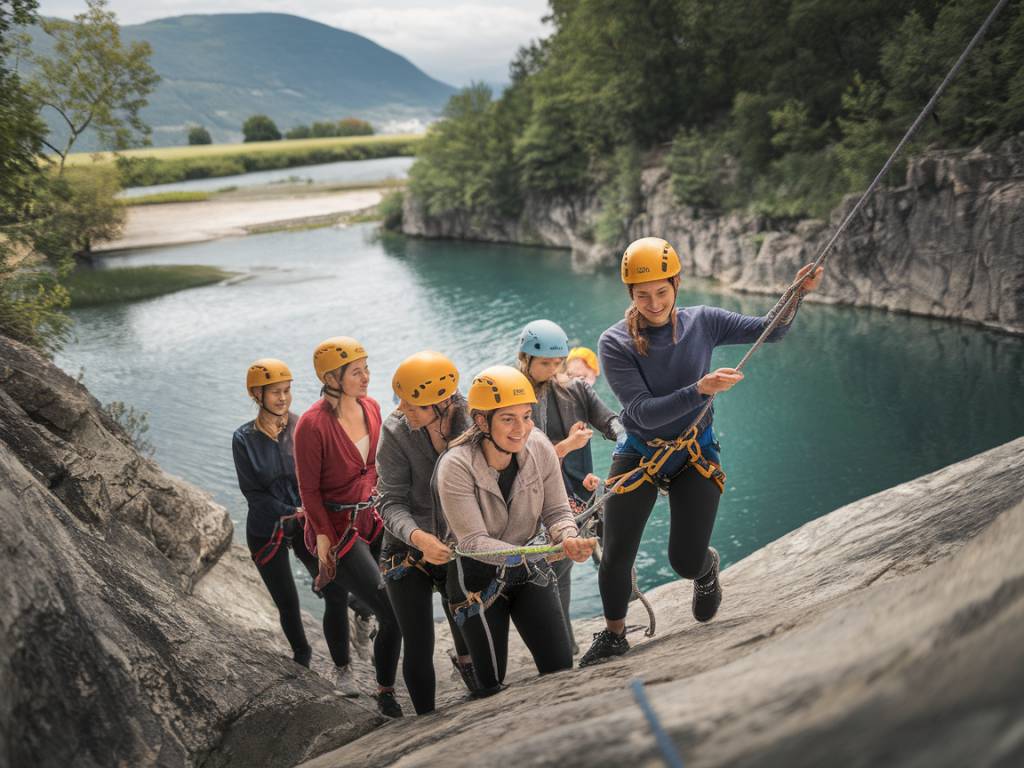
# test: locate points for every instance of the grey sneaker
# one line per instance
(345, 682)
(361, 633)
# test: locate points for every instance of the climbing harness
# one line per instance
(398, 565)
(346, 538)
(520, 565)
(668, 750)
(266, 553)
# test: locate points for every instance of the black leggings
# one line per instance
(534, 610)
(412, 598)
(563, 571)
(693, 504)
(277, 576)
(358, 574)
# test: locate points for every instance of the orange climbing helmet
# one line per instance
(330, 354)
(266, 370)
(648, 259)
(499, 387)
(426, 378)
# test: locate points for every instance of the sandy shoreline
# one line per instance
(148, 226)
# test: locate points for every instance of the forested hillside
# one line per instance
(780, 106)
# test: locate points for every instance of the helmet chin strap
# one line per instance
(487, 436)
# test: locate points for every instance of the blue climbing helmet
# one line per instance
(543, 338)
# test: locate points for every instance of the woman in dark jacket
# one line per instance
(565, 411)
(263, 450)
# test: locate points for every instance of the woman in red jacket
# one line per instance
(335, 451)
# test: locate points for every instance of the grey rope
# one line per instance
(652, 625)
(483, 620)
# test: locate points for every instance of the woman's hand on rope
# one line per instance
(434, 550)
(810, 283)
(591, 481)
(578, 549)
(579, 435)
(720, 380)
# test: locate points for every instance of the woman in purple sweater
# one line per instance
(657, 362)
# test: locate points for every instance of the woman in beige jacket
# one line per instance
(496, 483)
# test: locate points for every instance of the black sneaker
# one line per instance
(606, 644)
(303, 657)
(707, 591)
(388, 705)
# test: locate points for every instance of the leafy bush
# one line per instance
(390, 209)
(353, 126)
(197, 134)
(298, 132)
(134, 423)
(260, 128)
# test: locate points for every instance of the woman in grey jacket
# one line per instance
(415, 558)
(497, 484)
(565, 411)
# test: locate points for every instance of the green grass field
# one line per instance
(217, 150)
(91, 287)
(166, 197)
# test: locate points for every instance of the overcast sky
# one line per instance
(455, 42)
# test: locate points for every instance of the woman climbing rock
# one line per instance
(657, 362)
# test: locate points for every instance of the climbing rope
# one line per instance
(668, 749)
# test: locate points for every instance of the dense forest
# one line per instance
(777, 106)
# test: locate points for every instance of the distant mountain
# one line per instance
(219, 69)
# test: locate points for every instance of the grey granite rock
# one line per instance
(124, 640)
(889, 632)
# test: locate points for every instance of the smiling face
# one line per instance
(276, 398)
(655, 300)
(509, 426)
(543, 368)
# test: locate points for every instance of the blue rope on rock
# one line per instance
(668, 749)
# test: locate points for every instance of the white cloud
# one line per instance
(457, 43)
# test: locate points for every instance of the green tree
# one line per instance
(197, 134)
(260, 128)
(323, 129)
(353, 126)
(31, 297)
(93, 81)
(298, 132)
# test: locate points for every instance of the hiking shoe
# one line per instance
(707, 591)
(606, 644)
(467, 674)
(388, 705)
(361, 634)
(345, 682)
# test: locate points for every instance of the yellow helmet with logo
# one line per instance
(264, 371)
(647, 259)
(426, 378)
(499, 387)
(587, 356)
(330, 354)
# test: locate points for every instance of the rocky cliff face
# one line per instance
(948, 243)
(131, 632)
(889, 632)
